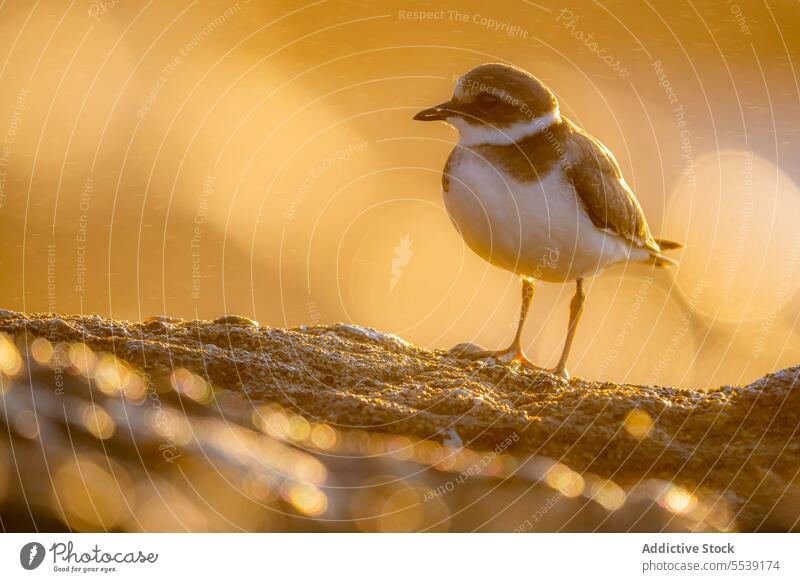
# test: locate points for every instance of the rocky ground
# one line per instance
(228, 425)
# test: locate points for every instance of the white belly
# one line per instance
(535, 229)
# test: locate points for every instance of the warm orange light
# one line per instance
(638, 423)
(97, 421)
(10, 359)
(41, 350)
(323, 437)
(567, 481)
(307, 498)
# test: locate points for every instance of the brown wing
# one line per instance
(607, 199)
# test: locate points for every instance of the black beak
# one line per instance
(438, 113)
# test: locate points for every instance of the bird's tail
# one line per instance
(668, 245)
(660, 260)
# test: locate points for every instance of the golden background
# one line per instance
(259, 158)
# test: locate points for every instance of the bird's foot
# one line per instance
(560, 372)
(511, 355)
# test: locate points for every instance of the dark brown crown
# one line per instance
(502, 95)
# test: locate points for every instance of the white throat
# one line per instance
(485, 134)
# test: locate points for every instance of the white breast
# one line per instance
(535, 229)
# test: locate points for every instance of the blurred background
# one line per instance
(198, 158)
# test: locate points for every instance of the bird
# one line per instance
(533, 193)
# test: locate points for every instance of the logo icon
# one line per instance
(402, 256)
(31, 555)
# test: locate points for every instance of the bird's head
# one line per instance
(496, 104)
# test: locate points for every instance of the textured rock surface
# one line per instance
(611, 456)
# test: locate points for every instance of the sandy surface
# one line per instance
(421, 440)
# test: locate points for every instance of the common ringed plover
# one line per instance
(534, 194)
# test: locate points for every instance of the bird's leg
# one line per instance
(513, 353)
(527, 296)
(575, 311)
